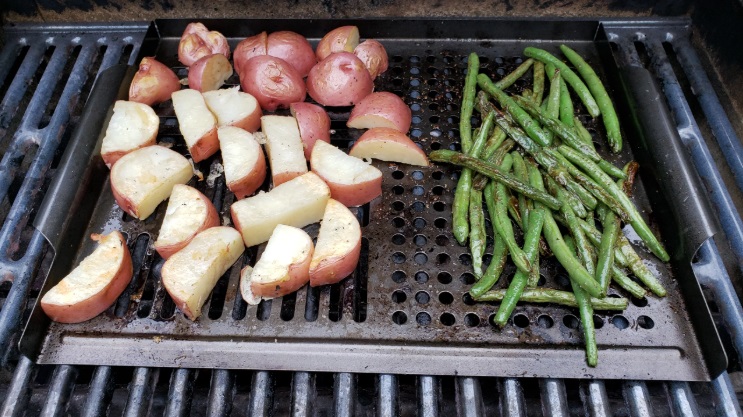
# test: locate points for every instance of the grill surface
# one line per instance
(47, 390)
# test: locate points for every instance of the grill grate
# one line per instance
(90, 391)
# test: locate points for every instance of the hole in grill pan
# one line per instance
(216, 301)
(468, 300)
(361, 283)
(399, 317)
(419, 223)
(148, 290)
(620, 322)
(570, 321)
(335, 308)
(423, 318)
(312, 306)
(446, 298)
(421, 277)
(447, 319)
(138, 252)
(645, 322)
(598, 322)
(398, 276)
(288, 302)
(444, 277)
(521, 321)
(422, 297)
(544, 321)
(399, 296)
(471, 320)
(263, 312)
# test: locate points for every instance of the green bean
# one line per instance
(493, 172)
(596, 87)
(585, 252)
(468, 102)
(565, 197)
(500, 250)
(626, 283)
(566, 257)
(584, 134)
(553, 99)
(481, 180)
(610, 169)
(513, 211)
(527, 94)
(511, 78)
(604, 181)
(503, 222)
(519, 169)
(610, 224)
(585, 197)
(521, 117)
(537, 219)
(538, 82)
(565, 133)
(477, 231)
(566, 105)
(586, 317)
(630, 169)
(570, 77)
(565, 298)
(495, 140)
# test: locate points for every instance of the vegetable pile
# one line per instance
(534, 164)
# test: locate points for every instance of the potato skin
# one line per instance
(256, 45)
(333, 269)
(272, 81)
(153, 83)
(341, 79)
(373, 55)
(381, 109)
(197, 42)
(100, 302)
(206, 146)
(297, 275)
(340, 39)
(292, 48)
(211, 220)
(248, 184)
(314, 124)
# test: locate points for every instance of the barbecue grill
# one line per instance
(50, 107)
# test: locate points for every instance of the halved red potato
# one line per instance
(292, 48)
(341, 79)
(234, 108)
(243, 160)
(314, 124)
(381, 109)
(132, 126)
(256, 45)
(297, 203)
(246, 275)
(191, 273)
(373, 55)
(197, 42)
(209, 73)
(196, 123)
(342, 39)
(284, 266)
(388, 144)
(153, 82)
(95, 284)
(188, 213)
(352, 181)
(284, 148)
(272, 81)
(142, 179)
(338, 245)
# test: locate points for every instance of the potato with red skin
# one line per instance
(234, 108)
(95, 284)
(243, 160)
(188, 213)
(292, 48)
(373, 55)
(132, 126)
(256, 45)
(197, 42)
(341, 39)
(390, 145)
(196, 123)
(209, 73)
(381, 109)
(314, 124)
(352, 181)
(341, 79)
(284, 266)
(272, 81)
(153, 83)
(338, 246)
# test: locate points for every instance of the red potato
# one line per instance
(209, 73)
(284, 266)
(272, 81)
(297, 203)
(373, 55)
(197, 42)
(342, 39)
(132, 126)
(95, 284)
(246, 275)
(243, 160)
(341, 79)
(338, 246)
(253, 46)
(142, 179)
(352, 181)
(284, 148)
(196, 123)
(292, 48)
(390, 145)
(381, 109)
(191, 273)
(153, 83)
(188, 213)
(234, 108)
(314, 124)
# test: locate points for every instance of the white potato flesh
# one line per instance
(284, 147)
(234, 108)
(194, 118)
(186, 213)
(297, 203)
(246, 276)
(191, 273)
(132, 126)
(243, 160)
(338, 245)
(144, 178)
(284, 265)
(352, 181)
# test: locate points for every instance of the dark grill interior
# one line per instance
(35, 129)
